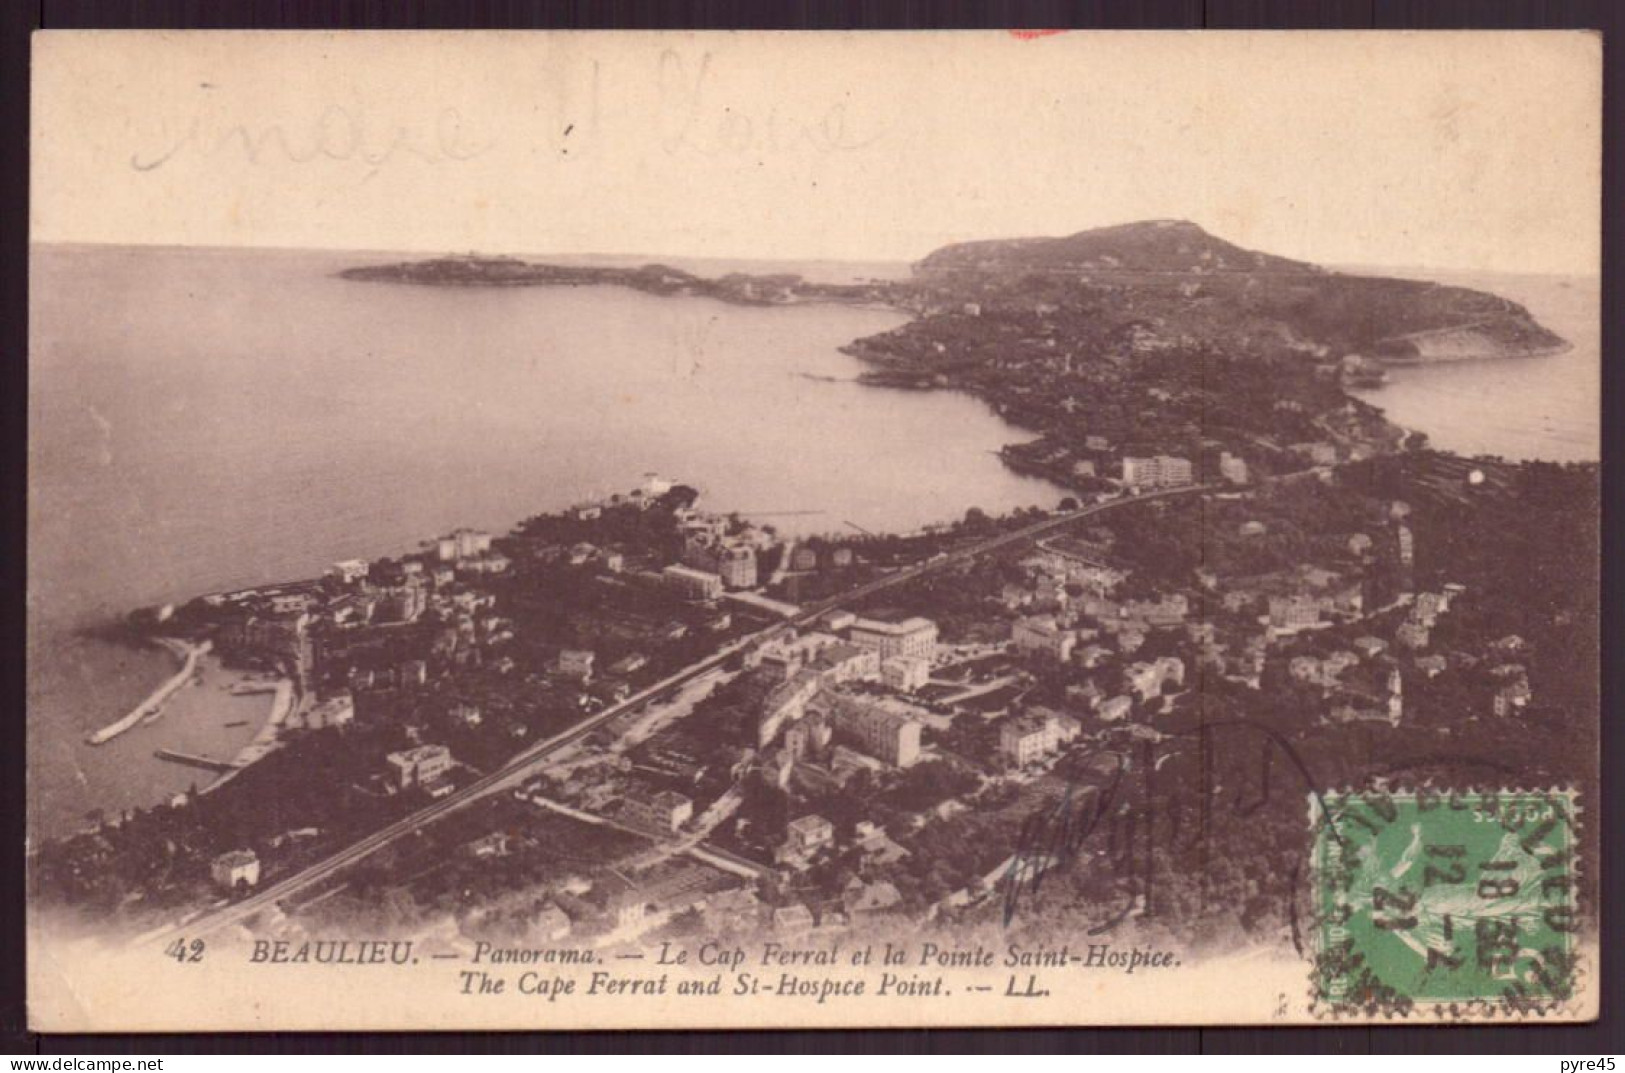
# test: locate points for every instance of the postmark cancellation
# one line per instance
(1445, 904)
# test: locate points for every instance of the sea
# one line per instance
(204, 419)
(1547, 407)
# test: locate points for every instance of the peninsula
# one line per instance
(1146, 338)
(634, 719)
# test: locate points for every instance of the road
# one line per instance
(524, 765)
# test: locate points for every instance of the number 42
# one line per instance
(184, 951)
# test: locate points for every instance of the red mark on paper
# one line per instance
(1031, 35)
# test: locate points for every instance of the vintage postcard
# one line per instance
(645, 530)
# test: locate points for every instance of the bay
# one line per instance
(202, 419)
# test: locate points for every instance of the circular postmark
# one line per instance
(1463, 902)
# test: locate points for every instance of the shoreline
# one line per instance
(153, 706)
(288, 698)
(1453, 359)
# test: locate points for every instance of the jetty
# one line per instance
(153, 706)
(207, 763)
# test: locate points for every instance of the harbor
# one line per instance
(153, 706)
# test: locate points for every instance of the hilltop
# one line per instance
(1173, 278)
(1177, 246)
(1164, 278)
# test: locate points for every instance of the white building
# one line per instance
(1040, 633)
(576, 664)
(1025, 739)
(235, 869)
(668, 810)
(348, 571)
(1158, 471)
(692, 584)
(1147, 679)
(421, 766)
(335, 711)
(911, 637)
(905, 673)
(880, 733)
(1289, 613)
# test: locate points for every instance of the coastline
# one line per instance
(287, 700)
(153, 707)
(852, 350)
(1470, 356)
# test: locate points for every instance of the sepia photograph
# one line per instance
(640, 530)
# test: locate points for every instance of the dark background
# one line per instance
(20, 16)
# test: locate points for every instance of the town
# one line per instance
(637, 720)
(843, 764)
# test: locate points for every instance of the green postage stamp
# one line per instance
(1444, 902)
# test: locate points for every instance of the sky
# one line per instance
(1475, 151)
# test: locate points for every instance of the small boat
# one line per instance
(236, 723)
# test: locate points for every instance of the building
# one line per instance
(1232, 468)
(736, 565)
(1040, 633)
(423, 766)
(667, 810)
(905, 674)
(348, 572)
(792, 918)
(862, 899)
(839, 663)
(1026, 739)
(1511, 698)
(1370, 647)
(880, 733)
(1115, 708)
(1168, 610)
(1158, 471)
(235, 870)
(837, 621)
(805, 837)
(1298, 612)
(1412, 635)
(692, 584)
(576, 664)
(786, 704)
(336, 710)
(413, 672)
(911, 637)
(1147, 679)
(786, 657)
(1319, 453)
(470, 543)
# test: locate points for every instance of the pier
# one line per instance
(153, 706)
(219, 767)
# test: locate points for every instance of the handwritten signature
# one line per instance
(1114, 815)
(695, 121)
(337, 133)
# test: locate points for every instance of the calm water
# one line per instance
(1546, 407)
(207, 419)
